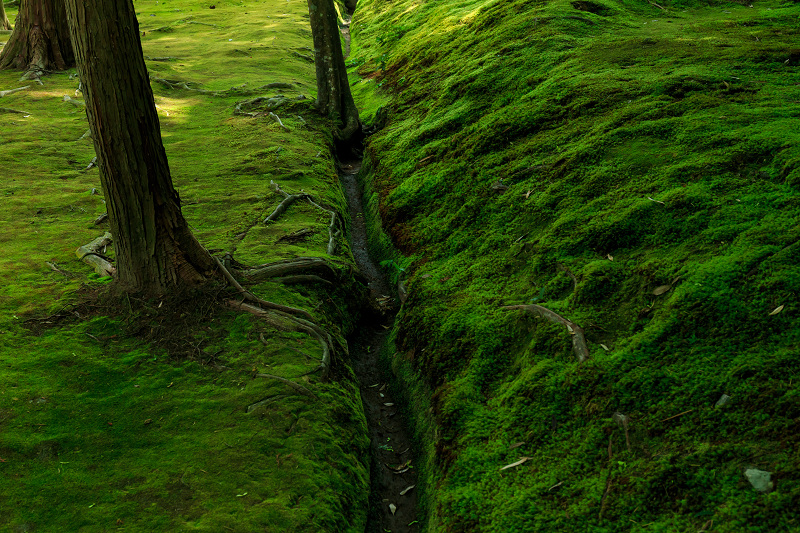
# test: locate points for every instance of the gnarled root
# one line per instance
(286, 322)
(334, 232)
(92, 254)
(579, 345)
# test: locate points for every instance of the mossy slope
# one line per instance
(635, 168)
(103, 424)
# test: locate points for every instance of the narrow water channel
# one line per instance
(393, 495)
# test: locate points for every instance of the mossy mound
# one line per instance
(635, 168)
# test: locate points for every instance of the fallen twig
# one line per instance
(676, 416)
(579, 345)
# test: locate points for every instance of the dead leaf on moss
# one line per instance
(776, 310)
(610, 257)
(658, 291)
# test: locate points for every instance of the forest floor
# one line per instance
(145, 415)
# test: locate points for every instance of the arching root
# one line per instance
(579, 345)
(334, 232)
(92, 254)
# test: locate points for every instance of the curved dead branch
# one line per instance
(579, 345)
(289, 200)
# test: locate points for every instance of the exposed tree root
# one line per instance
(290, 323)
(579, 345)
(263, 303)
(333, 232)
(12, 91)
(92, 254)
(316, 266)
(277, 119)
(7, 110)
(297, 387)
(309, 278)
(253, 406)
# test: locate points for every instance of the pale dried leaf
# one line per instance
(388, 404)
(405, 490)
(516, 445)
(610, 257)
(606, 348)
(392, 508)
(661, 290)
(515, 463)
(776, 310)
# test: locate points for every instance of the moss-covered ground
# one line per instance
(635, 167)
(131, 415)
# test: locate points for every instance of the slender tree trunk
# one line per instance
(40, 41)
(155, 250)
(333, 88)
(4, 23)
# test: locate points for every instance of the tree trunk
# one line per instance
(4, 23)
(40, 41)
(333, 89)
(155, 250)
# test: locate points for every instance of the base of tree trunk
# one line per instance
(40, 41)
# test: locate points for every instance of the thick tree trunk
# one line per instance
(40, 41)
(155, 250)
(333, 89)
(4, 23)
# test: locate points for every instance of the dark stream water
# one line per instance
(393, 506)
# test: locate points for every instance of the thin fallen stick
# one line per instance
(579, 345)
(8, 110)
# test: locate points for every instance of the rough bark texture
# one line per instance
(4, 23)
(333, 90)
(40, 41)
(155, 250)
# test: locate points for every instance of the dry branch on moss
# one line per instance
(579, 345)
(16, 111)
(92, 254)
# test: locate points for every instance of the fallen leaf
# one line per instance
(388, 404)
(527, 194)
(776, 310)
(241, 495)
(392, 508)
(515, 463)
(148, 421)
(603, 346)
(610, 257)
(516, 445)
(405, 490)
(658, 291)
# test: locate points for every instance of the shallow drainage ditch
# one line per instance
(393, 491)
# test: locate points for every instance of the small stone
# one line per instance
(759, 479)
(723, 400)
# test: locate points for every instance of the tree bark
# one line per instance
(155, 250)
(40, 41)
(4, 23)
(333, 88)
